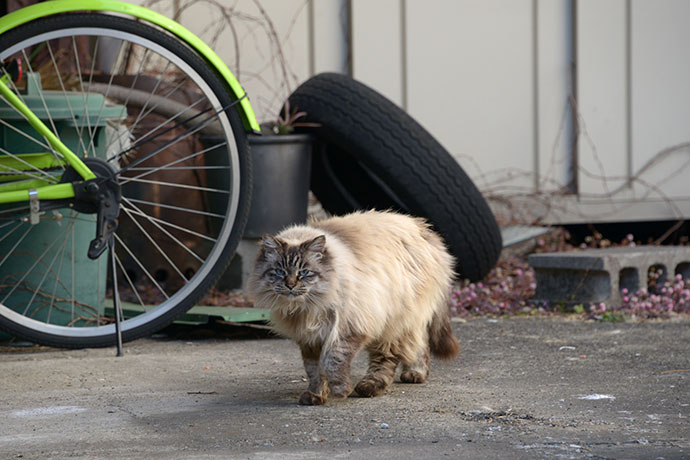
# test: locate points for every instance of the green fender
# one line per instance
(49, 8)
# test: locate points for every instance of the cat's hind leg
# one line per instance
(317, 393)
(417, 369)
(382, 365)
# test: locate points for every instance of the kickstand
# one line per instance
(116, 295)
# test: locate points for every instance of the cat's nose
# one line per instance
(290, 283)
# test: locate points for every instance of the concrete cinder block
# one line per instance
(598, 275)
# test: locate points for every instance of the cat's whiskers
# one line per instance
(375, 280)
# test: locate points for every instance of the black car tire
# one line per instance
(374, 155)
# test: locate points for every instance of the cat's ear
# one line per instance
(270, 242)
(317, 245)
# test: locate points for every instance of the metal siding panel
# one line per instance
(470, 82)
(330, 36)
(555, 56)
(660, 96)
(376, 46)
(602, 96)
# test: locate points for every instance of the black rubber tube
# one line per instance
(374, 155)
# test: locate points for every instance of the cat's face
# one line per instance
(291, 271)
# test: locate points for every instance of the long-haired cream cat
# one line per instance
(372, 280)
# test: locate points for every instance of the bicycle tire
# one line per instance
(184, 205)
(374, 155)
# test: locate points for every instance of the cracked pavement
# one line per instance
(523, 388)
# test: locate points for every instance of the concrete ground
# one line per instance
(523, 388)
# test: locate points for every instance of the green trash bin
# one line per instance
(22, 283)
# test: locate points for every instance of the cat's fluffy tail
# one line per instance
(442, 341)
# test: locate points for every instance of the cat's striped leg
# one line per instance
(317, 393)
(382, 365)
(417, 370)
(337, 363)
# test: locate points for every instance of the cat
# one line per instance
(370, 280)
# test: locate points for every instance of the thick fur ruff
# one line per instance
(383, 277)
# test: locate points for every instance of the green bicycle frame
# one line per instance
(50, 8)
(45, 192)
(61, 191)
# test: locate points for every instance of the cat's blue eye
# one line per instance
(304, 273)
(280, 273)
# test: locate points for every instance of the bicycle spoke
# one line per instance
(91, 129)
(44, 146)
(184, 186)
(47, 271)
(153, 242)
(129, 281)
(64, 92)
(176, 208)
(171, 225)
(167, 233)
(30, 269)
(184, 135)
(7, 235)
(136, 260)
(41, 96)
(183, 168)
(6, 224)
(84, 94)
(73, 279)
(150, 136)
(168, 166)
(160, 100)
(153, 91)
(43, 175)
(131, 89)
(110, 83)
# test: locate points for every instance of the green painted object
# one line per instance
(40, 242)
(49, 8)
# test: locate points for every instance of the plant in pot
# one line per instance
(254, 48)
(282, 165)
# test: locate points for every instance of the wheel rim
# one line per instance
(139, 209)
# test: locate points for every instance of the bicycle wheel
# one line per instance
(137, 102)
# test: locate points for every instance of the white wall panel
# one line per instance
(602, 95)
(555, 88)
(661, 96)
(470, 82)
(377, 46)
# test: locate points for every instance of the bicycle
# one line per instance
(125, 174)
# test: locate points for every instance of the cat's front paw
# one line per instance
(312, 399)
(370, 387)
(412, 377)
(341, 390)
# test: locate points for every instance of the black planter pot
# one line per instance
(281, 169)
(280, 193)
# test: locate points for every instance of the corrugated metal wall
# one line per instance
(567, 111)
